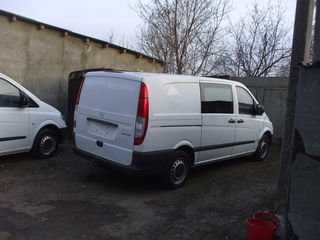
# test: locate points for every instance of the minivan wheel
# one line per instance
(263, 149)
(177, 170)
(45, 144)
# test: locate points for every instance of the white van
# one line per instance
(27, 123)
(165, 124)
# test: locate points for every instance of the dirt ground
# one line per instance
(65, 197)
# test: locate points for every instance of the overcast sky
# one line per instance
(97, 18)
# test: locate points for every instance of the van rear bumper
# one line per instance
(143, 164)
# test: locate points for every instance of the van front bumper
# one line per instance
(143, 164)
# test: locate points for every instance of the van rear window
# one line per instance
(216, 98)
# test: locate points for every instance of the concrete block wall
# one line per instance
(40, 57)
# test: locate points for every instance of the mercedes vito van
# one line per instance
(166, 124)
(27, 123)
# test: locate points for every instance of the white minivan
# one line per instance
(27, 123)
(165, 124)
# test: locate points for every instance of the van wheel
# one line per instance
(263, 149)
(177, 170)
(45, 144)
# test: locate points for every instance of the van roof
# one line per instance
(138, 76)
(185, 77)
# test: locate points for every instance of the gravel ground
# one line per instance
(65, 197)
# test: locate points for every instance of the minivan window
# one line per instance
(246, 102)
(216, 98)
(9, 95)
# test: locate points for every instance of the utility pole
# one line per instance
(300, 53)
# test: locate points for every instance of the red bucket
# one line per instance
(267, 217)
(258, 229)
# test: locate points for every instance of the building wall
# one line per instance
(272, 93)
(41, 59)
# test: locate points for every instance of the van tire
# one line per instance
(263, 148)
(45, 144)
(177, 170)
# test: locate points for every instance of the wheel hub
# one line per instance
(178, 171)
(263, 149)
(47, 145)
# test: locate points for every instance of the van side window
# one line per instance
(246, 102)
(9, 95)
(216, 98)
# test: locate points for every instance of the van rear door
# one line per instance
(106, 114)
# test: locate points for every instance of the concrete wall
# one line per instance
(272, 93)
(41, 57)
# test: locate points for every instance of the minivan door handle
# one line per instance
(240, 121)
(99, 144)
(231, 121)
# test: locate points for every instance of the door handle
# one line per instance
(99, 144)
(240, 121)
(231, 121)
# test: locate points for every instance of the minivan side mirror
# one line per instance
(258, 109)
(24, 99)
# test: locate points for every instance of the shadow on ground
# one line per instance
(65, 197)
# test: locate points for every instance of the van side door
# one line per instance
(248, 124)
(14, 119)
(218, 121)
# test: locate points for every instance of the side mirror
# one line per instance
(24, 100)
(258, 109)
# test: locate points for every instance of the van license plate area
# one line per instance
(100, 128)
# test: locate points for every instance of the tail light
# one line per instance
(79, 91)
(142, 115)
(77, 102)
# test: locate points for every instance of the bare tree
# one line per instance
(182, 33)
(111, 37)
(259, 45)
